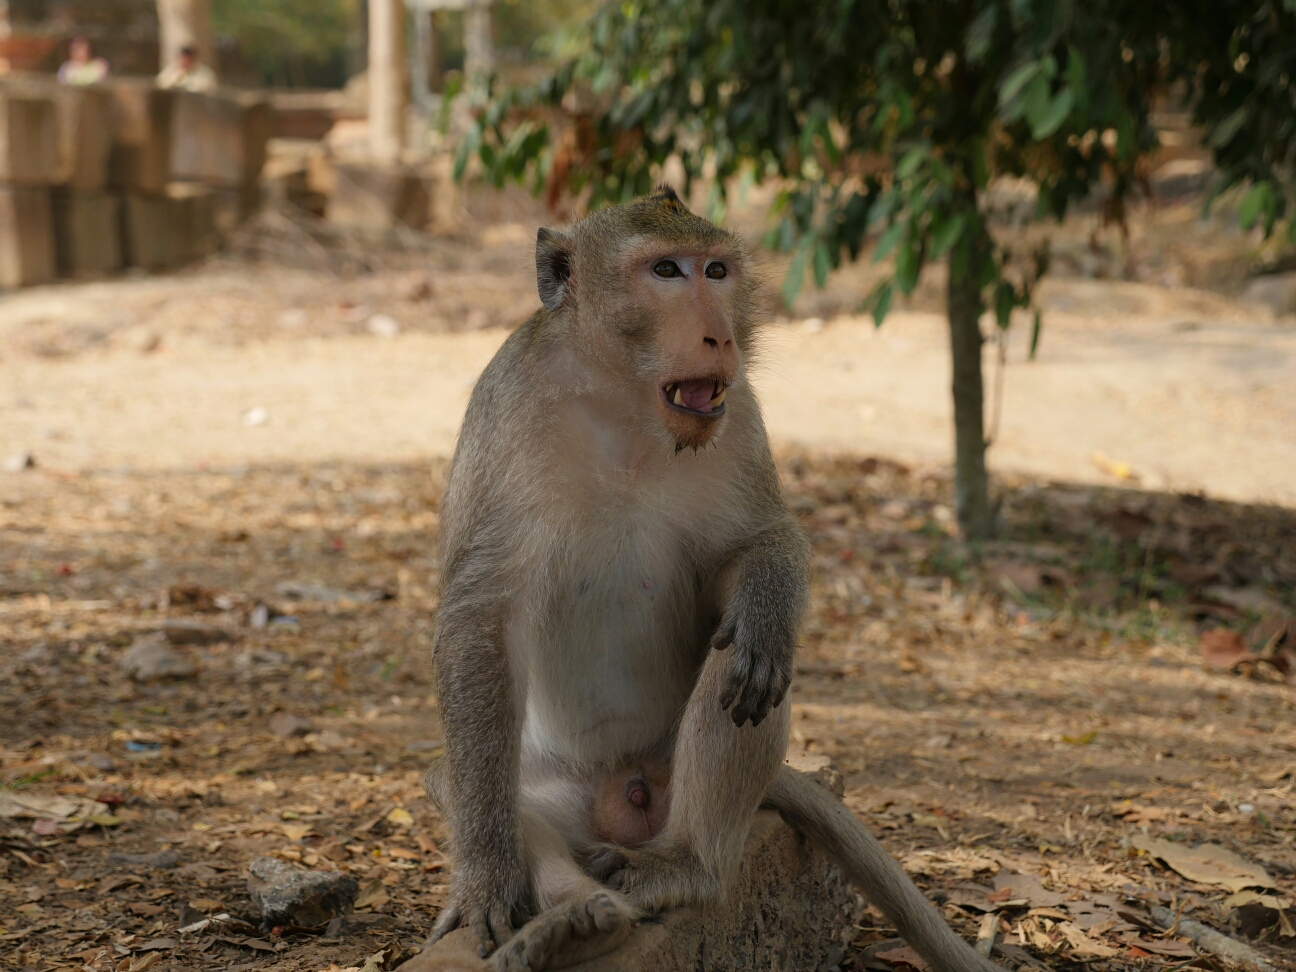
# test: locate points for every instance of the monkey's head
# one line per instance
(659, 297)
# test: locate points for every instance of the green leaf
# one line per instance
(795, 278)
(1018, 80)
(980, 34)
(1224, 132)
(822, 264)
(912, 159)
(470, 144)
(1004, 300)
(947, 234)
(1051, 119)
(880, 302)
(1035, 336)
(887, 242)
(908, 262)
(1250, 207)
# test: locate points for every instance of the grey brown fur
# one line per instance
(622, 582)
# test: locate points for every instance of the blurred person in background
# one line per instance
(188, 73)
(82, 67)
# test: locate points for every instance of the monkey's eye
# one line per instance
(666, 268)
(716, 271)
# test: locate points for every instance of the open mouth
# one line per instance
(701, 396)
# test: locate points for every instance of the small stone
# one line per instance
(287, 896)
(286, 725)
(103, 762)
(162, 860)
(151, 658)
(180, 632)
(382, 325)
(19, 462)
(819, 768)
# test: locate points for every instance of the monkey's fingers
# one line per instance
(446, 922)
(754, 693)
(605, 862)
(724, 636)
(733, 689)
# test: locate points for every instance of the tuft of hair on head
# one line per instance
(665, 194)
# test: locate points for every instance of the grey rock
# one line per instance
(1277, 291)
(181, 632)
(287, 725)
(103, 762)
(162, 860)
(285, 895)
(151, 658)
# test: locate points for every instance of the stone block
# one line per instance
(85, 136)
(376, 198)
(219, 139)
(152, 232)
(789, 909)
(29, 136)
(87, 232)
(26, 236)
(140, 157)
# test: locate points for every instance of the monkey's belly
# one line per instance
(632, 803)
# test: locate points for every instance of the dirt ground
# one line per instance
(246, 448)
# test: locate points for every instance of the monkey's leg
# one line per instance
(821, 817)
(581, 918)
(719, 775)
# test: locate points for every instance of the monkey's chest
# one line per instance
(617, 647)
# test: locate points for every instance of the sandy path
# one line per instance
(1190, 392)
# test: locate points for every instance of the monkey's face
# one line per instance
(689, 294)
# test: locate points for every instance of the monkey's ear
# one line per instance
(553, 268)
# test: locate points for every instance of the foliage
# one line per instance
(1241, 60)
(889, 116)
(293, 42)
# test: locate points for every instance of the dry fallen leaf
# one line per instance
(373, 894)
(904, 957)
(1222, 649)
(1207, 864)
(400, 817)
(1083, 944)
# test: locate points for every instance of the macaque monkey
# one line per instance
(620, 592)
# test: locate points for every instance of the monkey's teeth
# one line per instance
(679, 398)
(719, 398)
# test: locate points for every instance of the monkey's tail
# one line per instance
(815, 812)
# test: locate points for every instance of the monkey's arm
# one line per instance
(769, 588)
(480, 718)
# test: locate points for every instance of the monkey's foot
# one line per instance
(654, 878)
(567, 934)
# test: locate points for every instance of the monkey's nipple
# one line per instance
(636, 791)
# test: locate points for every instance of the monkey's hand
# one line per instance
(761, 668)
(489, 900)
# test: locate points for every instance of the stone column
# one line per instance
(184, 22)
(479, 43)
(387, 86)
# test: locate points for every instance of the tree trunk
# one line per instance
(387, 94)
(182, 23)
(971, 488)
